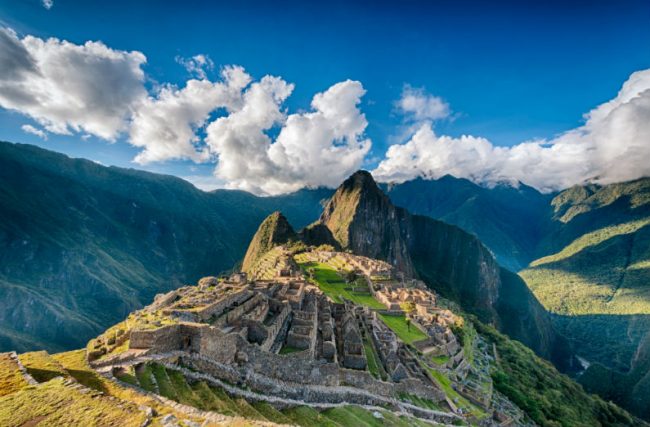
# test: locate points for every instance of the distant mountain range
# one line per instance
(82, 245)
(509, 220)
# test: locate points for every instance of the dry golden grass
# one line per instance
(55, 403)
(11, 379)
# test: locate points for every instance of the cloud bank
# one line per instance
(241, 125)
(613, 145)
(70, 88)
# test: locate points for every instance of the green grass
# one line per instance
(41, 366)
(440, 360)
(287, 349)
(210, 400)
(144, 375)
(548, 397)
(346, 416)
(332, 285)
(398, 325)
(419, 401)
(165, 386)
(460, 401)
(309, 417)
(229, 405)
(270, 413)
(373, 363)
(184, 393)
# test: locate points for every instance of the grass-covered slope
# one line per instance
(595, 276)
(82, 245)
(548, 397)
(274, 230)
(606, 271)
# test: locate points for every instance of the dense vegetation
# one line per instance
(82, 245)
(548, 397)
(595, 277)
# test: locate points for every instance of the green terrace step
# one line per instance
(41, 366)
(184, 392)
(346, 417)
(357, 416)
(308, 417)
(210, 401)
(271, 414)
(144, 375)
(165, 386)
(246, 410)
(128, 375)
(173, 385)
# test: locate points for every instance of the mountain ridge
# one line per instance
(82, 244)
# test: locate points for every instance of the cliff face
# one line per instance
(273, 231)
(362, 219)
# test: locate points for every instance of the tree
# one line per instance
(351, 276)
(408, 307)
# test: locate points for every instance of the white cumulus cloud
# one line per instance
(70, 88)
(47, 4)
(418, 105)
(316, 148)
(613, 145)
(165, 126)
(198, 65)
(34, 131)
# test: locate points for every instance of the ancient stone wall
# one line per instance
(236, 312)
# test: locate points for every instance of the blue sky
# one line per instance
(509, 71)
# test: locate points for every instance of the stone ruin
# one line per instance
(280, 333)
(283, 337)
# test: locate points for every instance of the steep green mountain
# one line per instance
(361, 218)
(596, 278)
(82, 245)
(509, 220)
(274, 230)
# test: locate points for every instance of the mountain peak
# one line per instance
(273, 231)
(360, 180)
(362, 218)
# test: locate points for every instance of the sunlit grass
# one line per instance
(398, 324)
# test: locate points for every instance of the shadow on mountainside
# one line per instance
(616, 349)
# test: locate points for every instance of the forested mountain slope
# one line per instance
(82, 245)
(596, 278)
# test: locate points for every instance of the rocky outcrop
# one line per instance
(362, 219)
(273, 231)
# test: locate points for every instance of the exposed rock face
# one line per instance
(274, 230)
(362, 219)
